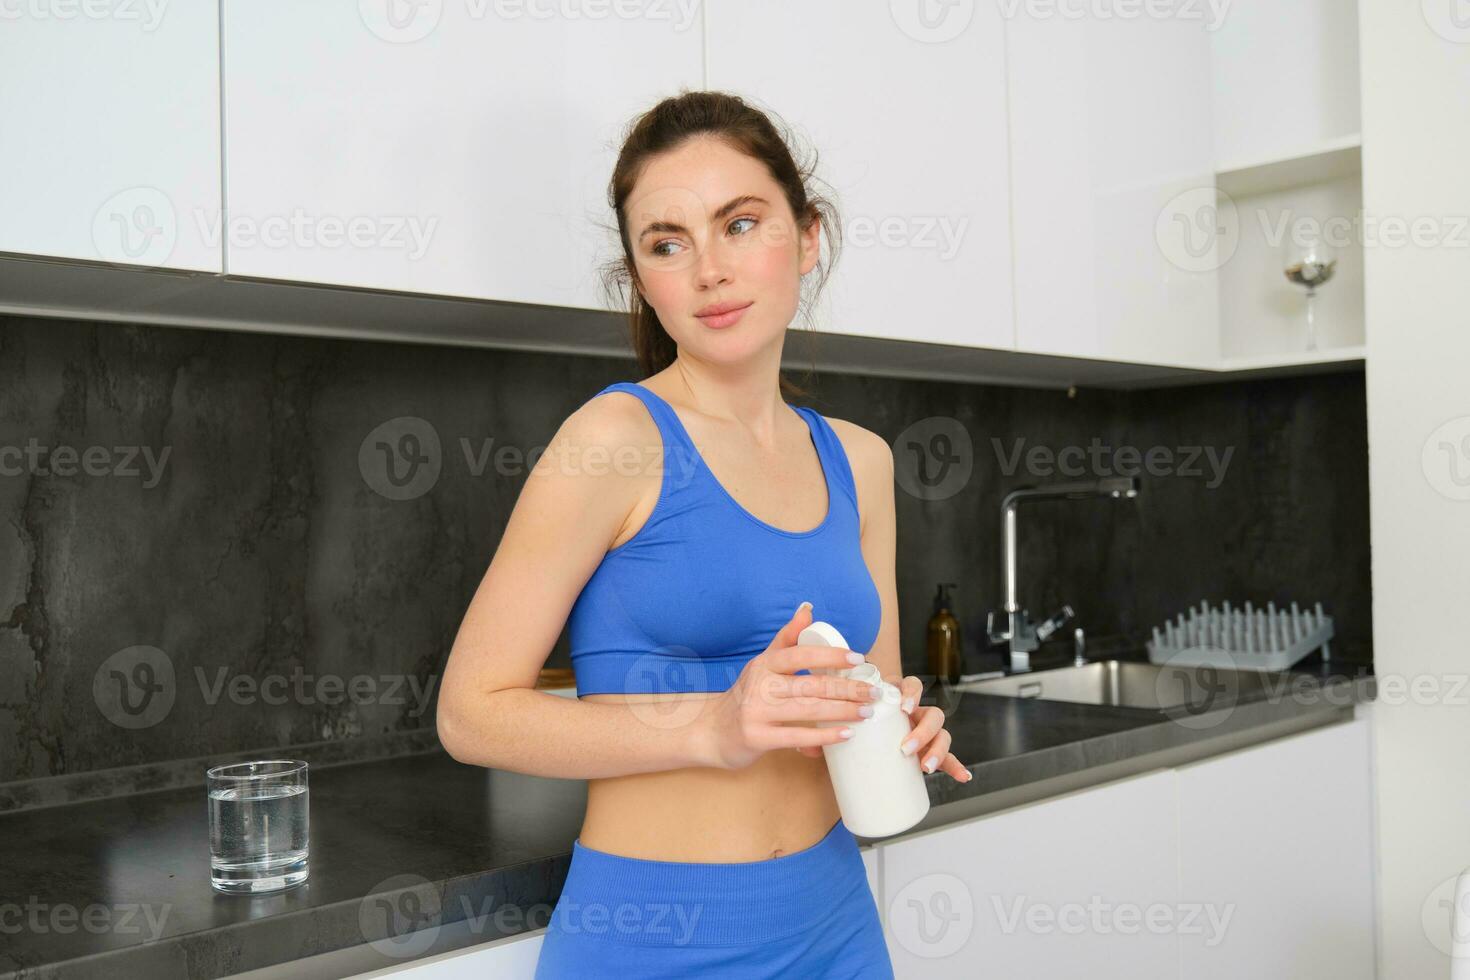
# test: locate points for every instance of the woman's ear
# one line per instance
(810, 241)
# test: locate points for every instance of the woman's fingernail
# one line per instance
(910, 746)
(845, 733)
(908, 705)
(930, 763)
(804, 605)
(866, 710)
(853, 657)
(969, 775)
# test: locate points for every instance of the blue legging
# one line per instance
(809, 914)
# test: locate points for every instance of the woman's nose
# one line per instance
(711, 266)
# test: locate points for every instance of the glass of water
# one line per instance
(257, 826)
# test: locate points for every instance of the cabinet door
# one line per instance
(1114, 206)
(1263, 53)
(464, 149)
(503, 959)
(907, 118)
(1280, 836)
(1063, 888)
(109, 133)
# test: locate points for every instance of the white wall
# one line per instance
(1416, 141)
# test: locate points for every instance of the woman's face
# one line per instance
(709, 227)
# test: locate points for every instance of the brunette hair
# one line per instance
(750, 131)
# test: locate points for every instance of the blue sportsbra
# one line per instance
(704, 585)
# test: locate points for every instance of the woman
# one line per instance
(712, 843)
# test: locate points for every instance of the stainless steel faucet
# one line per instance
(1020, 634)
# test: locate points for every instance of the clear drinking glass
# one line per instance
(257, 826)
(1310, 263)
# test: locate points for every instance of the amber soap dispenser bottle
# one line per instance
(943, 638)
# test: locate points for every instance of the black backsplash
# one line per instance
(208, 504)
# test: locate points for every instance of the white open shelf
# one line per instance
(1262, 315)
(1325, 161)
(1333, 355)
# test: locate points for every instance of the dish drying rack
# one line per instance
(1241, 639)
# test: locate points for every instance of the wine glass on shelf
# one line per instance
(1310, 262)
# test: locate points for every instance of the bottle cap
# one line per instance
(823, 634)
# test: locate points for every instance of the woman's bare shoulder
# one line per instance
(871, 460)
(610, 421)
(866, 450)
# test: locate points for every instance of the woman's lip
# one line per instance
(721, 320)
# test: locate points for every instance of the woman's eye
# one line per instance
(659, 249)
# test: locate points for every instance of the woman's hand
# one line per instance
(928, 739)
(768, 703)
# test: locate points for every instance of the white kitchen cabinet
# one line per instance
(109, 133)
(1280, 835)
(1255, 863)
(1013, 894)
(1268, 55)
(505, 959)
(907, 119)
(1113, 184)
(463, 150)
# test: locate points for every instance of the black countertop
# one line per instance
(120, 886)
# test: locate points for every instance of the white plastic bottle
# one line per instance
(880, 791)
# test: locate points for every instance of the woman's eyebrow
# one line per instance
(673, 227)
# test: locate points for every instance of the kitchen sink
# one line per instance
(1128, 684)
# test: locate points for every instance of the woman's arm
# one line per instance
(530, 731)
(871, 459)
(872, 464)
(573, 504)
